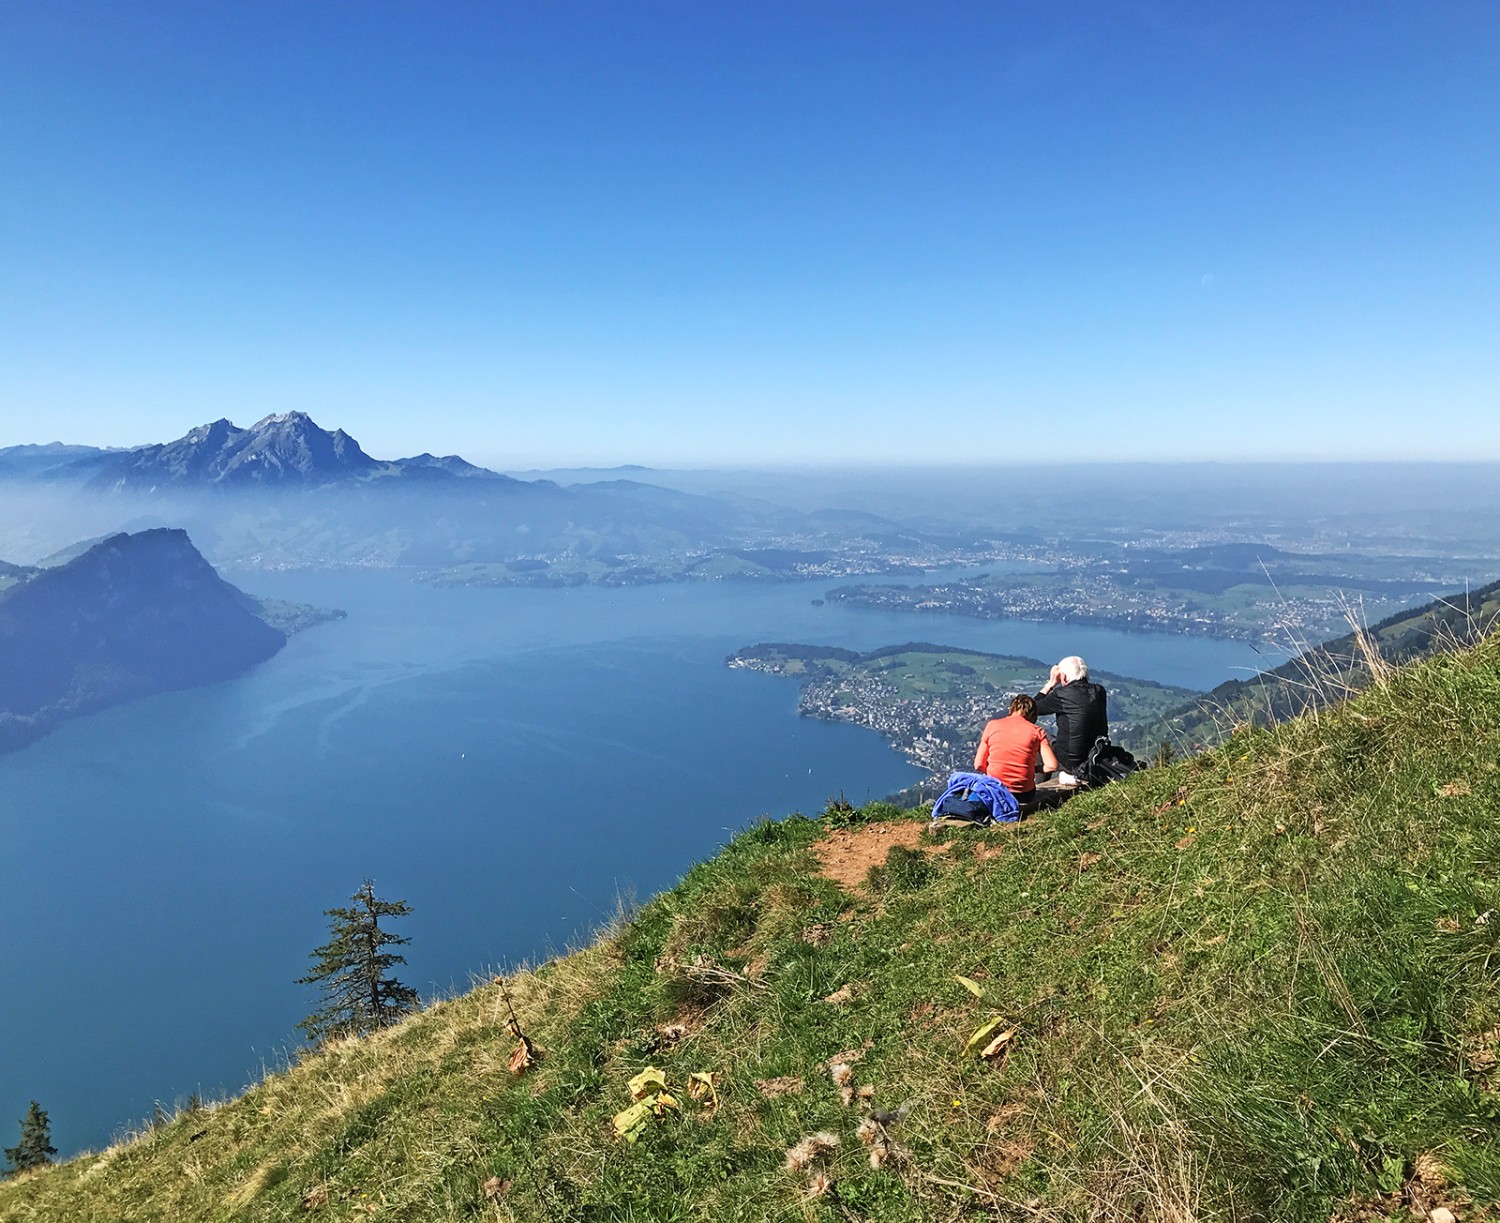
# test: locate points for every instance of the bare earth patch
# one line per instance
(846, 855)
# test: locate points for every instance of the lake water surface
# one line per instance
(510, 762)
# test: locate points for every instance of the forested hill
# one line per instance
(1329, 672)
(131, 615)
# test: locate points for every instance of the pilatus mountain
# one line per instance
(132, 615)
(287, 493)
(288, 449)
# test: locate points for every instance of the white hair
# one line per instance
(1073, 668)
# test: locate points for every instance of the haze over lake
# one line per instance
(510, 762)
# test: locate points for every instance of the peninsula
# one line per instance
(932, 700)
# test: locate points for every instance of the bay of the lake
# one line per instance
(511, 763)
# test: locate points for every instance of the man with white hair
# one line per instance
(1082, 712)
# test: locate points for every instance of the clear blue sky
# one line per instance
(762, 232)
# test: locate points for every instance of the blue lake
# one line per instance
(509, 762)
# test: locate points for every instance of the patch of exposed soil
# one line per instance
(846, 855)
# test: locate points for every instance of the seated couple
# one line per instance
(1010, 746)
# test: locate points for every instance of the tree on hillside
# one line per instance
(35, 1148)
(353, 971)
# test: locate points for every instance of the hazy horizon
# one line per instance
(506, 464)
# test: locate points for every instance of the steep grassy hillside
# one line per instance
(1327, 671)
(1259, 984)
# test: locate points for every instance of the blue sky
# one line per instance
(757, 233)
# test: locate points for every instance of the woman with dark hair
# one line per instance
(1009, 748)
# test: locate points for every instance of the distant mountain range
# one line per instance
(285, 450)
(131, 615)
(32, 461)
(336, 505)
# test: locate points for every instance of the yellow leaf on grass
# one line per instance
(649, 1081)
(701, 1084)
(982, 1034)
(972, 986)
(629, 1123)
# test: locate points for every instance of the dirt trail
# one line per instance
(846, 855)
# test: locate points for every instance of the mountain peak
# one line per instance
(282, 449)
(286, 448)
(300, 419)
(214, 430)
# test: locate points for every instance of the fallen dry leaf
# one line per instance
(520, 1059)
(995, 1046)
(496, 1188)
(647, 1083)
(701, 1086)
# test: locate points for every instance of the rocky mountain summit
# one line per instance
(133, 615)
(283, 450)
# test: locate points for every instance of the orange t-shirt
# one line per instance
(1008, 751)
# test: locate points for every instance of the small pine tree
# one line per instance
(35, 1149)
(353, 971)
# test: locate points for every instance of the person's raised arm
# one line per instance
(1047, 701)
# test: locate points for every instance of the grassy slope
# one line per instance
(1339, 666)
(1246, 986)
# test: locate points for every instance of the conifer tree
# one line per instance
(353, 971)
(35, 1148)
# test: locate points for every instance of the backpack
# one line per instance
(976, 799)
(1107, 762)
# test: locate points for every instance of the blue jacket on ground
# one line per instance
(994, 794)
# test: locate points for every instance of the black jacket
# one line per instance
(1082, 710)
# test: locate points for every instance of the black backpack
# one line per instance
(1107, 762)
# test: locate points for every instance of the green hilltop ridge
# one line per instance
(1331, 670)
(1260, 983)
